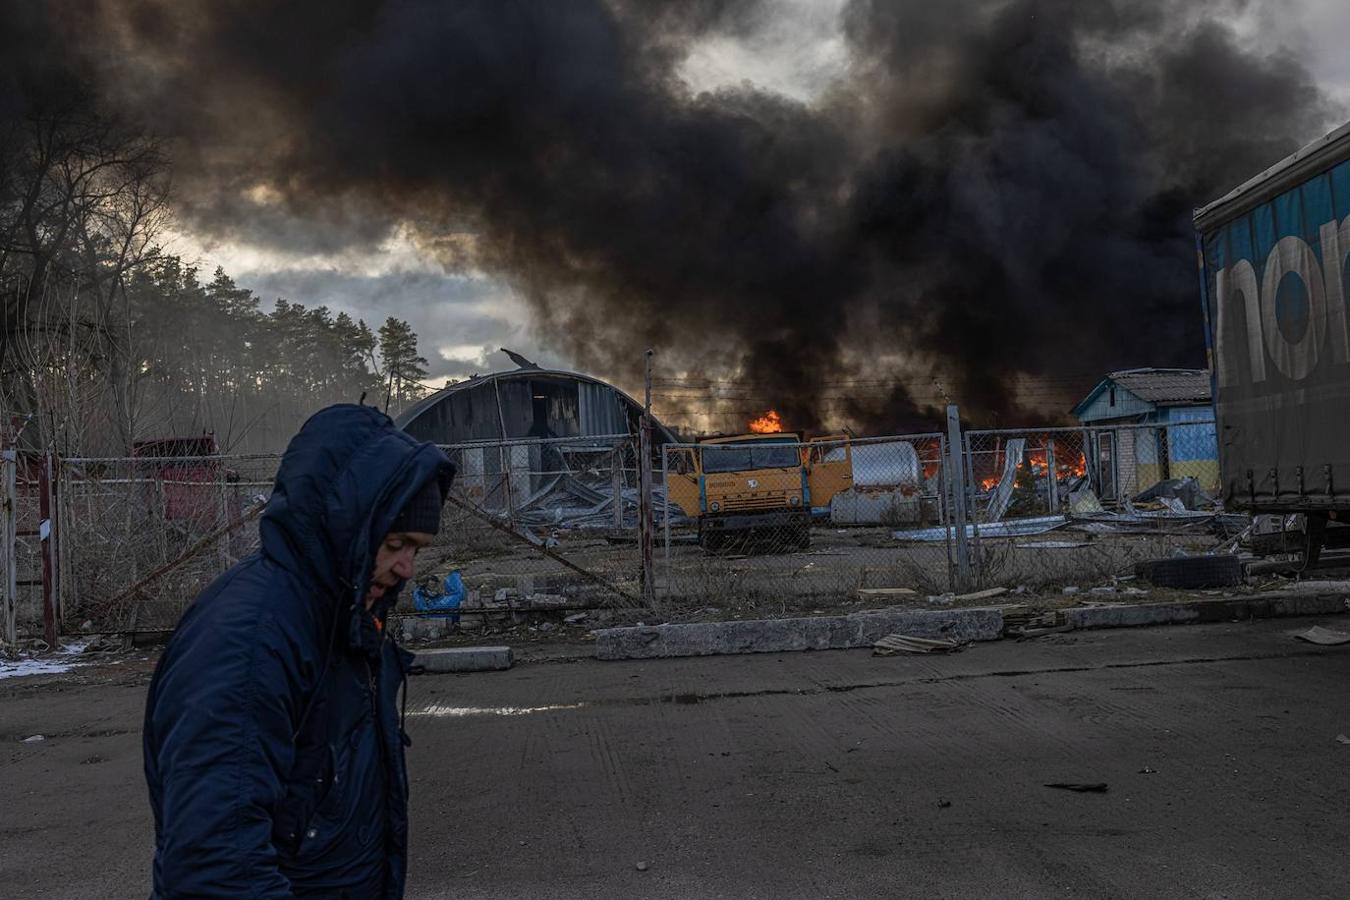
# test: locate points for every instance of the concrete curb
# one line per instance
(982, 624)
(1257, 606)
(465, 659)
(782, 635)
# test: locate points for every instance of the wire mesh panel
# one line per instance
(764, 525)
(1059, 506)
(140, 537)
(23, 561)
(780, 525)
(544, 524)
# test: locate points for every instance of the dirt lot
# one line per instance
(768, 578)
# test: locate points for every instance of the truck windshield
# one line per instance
(744, 457)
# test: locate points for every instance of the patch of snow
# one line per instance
(54, 664)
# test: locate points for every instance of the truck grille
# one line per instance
(738, 503)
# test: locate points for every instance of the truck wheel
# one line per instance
(1187, 572)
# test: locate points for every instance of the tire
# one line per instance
(1188, 572)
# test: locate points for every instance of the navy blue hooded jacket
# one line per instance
(273, 739)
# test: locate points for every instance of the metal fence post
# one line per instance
(665, 504)
(46, 542)
(973, 514)
(1051, 478)
(957, 480)
(8, 554)
(616, 485)
(645, 491)
(63, 519)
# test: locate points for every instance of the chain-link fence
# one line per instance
(531, 525)
(768, 525)
(138, 538)
(21, 551)
(1059, 506)
(540, 525)
(778, 524)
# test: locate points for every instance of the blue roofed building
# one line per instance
(1154, 424)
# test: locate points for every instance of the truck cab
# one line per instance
(749, 485)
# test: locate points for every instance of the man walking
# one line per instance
(273, 731)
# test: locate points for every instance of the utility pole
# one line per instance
(646, 524)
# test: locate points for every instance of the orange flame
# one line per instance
(769, 423)
(1068, 464)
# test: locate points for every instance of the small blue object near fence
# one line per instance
(444, 604)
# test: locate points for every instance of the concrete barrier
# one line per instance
(1225, 609)
(465, 659)
(781, 635)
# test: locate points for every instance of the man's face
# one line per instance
(394, 562)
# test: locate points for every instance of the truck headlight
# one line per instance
(795, 501)
(714, 506)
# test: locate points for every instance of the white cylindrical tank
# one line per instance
(891, 464)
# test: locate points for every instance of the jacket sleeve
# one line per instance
(222, 715)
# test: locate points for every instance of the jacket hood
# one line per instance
(343, 480)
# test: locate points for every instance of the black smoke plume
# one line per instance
(992, 206)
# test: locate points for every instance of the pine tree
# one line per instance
(402, 368)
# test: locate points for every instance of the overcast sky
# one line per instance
(463, 318)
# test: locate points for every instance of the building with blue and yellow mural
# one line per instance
(1156, 424)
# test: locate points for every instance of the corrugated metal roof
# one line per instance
(1165, 385)
(593, 406)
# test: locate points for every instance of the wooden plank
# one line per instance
(982, 595)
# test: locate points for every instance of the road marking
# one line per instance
(442, 711)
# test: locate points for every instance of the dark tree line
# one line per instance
(107, 340)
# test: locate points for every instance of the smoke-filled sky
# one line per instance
(850, 210)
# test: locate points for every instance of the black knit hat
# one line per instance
(423, 512)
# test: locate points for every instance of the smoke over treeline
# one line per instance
(992, 204)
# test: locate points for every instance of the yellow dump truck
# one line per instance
(751, 485)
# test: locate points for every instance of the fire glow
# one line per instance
(1076, 467)
(769, 423)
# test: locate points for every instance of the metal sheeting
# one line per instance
(533, 403)
(599, 409)
(1012, 458)
(467, 414)
(882, 465)
(1012, 528)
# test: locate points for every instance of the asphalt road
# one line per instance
(830, 774)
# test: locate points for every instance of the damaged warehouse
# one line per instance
(524, 403)
(543, 446)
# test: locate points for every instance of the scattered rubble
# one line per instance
(892, 644)
(1326, 637)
